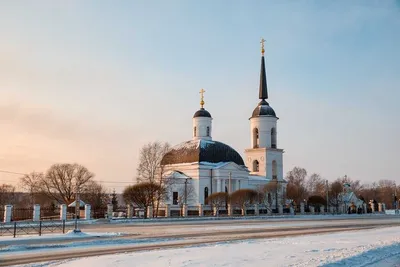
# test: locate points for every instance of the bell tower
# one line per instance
(264, 158)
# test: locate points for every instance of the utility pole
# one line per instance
(327, 196)
(77, 208)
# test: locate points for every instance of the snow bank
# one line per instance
(358, 248)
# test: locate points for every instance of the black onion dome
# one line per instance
(202, 113)
(201, 151)
(263, 109)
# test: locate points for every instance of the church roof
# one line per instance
(202, 113)
(201, 151)
(263, 109)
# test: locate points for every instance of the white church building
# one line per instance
(207, 166)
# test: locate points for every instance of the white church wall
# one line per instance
(259, 155)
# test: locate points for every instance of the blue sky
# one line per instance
(93, 81)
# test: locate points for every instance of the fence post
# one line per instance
(201, 213)
(63, 226)
(7, 213)
(185, 210)
(87, 211)
(36, 213)
(109, 211)
(167, 210)
(63, 212)
(15, 229)
(40, 228)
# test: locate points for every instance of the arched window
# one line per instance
(194, 132)
(208, 130)
(256, 166)
(255, 138)
(205, 195)
(274, 170)
(273, 138)
(226, 189)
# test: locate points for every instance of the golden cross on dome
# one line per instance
(262, 46)
(202, 91)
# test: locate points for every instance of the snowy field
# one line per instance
(378, 247)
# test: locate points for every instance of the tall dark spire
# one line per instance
(263, 90)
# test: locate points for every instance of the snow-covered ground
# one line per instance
(378, 247)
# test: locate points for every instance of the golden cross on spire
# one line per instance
(262, 46)
(202, 91)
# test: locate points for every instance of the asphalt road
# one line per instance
(144, 236)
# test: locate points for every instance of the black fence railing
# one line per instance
(32, 228)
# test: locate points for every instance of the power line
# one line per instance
(11, 172)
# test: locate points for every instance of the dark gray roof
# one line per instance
(263, 109)
(202, 113)
(263, 90)
(201, 151)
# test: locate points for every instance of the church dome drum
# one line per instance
(201, 151)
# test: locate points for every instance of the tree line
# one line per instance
(313, 189)
(58, 185)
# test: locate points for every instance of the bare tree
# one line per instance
(335, 192)
(31, 183)
(243, 197)
(218, 200)
(7, 194)
(189, 194)
(150, 169)
(95, 194)
(370, 192)
(296, 188)
(316, 186)
(142, 195)
(269, 192)
(150, 158)
(62, 180)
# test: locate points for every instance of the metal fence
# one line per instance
(32, 228)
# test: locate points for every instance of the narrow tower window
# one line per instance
(255, 138)
(205, 195)
(273, 138)
(208, 130)
(274, 170)
(256, 166)
(194, 131)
